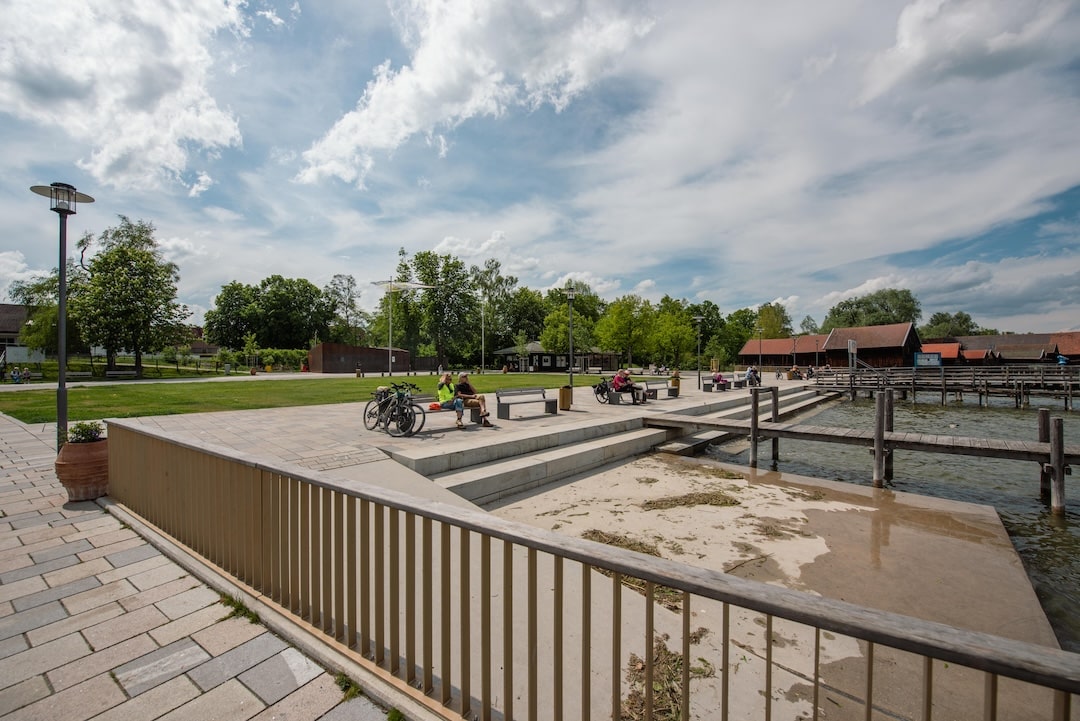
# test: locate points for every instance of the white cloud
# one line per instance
(200, 186)
(128, 80)
(13, 268)
(472, 59)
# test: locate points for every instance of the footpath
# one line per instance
(95, 623)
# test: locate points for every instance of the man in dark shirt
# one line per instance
(472, 399)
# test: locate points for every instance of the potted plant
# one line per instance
(82, 465)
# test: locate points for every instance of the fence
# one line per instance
(475, 616)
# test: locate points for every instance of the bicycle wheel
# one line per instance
(420, 417)
(371, 415)
(400, 420)
(601, 393)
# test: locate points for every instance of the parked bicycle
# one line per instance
(601, 390)
(392, 409)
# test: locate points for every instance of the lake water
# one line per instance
(1049, 545)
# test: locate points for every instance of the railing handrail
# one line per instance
(1049, 667)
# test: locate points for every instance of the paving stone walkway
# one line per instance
(95, 623)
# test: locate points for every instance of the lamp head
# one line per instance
(64, 197)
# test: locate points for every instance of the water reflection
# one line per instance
(1049, 545)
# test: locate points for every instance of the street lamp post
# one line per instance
(760, 332)
(570, 306)
(698, 319)
(817, 342)
(391, 286)
(64, 199)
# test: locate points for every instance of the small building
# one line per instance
(344, 358)
(948, 352)
(538, 360)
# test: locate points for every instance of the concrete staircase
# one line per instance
(523, 460)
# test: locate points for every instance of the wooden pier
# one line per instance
(1054, 458)
(1021, 383)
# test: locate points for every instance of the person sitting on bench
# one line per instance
(472, 399)
(625, 384)
(448, 398)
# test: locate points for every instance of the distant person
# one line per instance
(472, 399)
(623, 383)
(447, 395)
(16, 375)
(752, 378)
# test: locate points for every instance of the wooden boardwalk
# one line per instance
(1021, 383)
(954, 445)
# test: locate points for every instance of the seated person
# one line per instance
(471, 398)
(448, 399)
(623, 383)
(718, 379)
(16, 375)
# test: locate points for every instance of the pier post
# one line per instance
(890, 405)
(1057, 461)
(1044, 437)
(775, 393)
(879, 439)
(753, 426)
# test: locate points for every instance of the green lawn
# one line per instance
(152, 399)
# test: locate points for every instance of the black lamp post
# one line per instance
(64, 199)
(570, 305)
(760, 332)
(817, 342)
(698, 319)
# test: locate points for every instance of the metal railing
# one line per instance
(479, 617)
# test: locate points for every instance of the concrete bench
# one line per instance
(121, 374)
(512, 396)
(653, 388)
(710, 386)
(426, 401)
(739, 383)
(595, 369)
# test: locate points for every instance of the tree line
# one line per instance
(124, 299)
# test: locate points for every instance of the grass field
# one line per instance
(128, 399)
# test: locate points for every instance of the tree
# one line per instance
(235, 314)
(129, 300)
(39, 294)
(524, 313)
(624, 328)
(292, 313)
(883, 307)
(494, 291)
(809, 326)
(341, 296)
(774, 320)
(943, 325)
(449, 312)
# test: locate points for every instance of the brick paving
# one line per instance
(95, 623)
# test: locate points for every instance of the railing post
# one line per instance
(1057, 460)
(879, 439)
(753, 426)
(775, 393)
(890, 405)
(1044, 468)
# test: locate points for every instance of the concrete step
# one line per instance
(511, 467)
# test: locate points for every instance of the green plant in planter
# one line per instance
(85, 432)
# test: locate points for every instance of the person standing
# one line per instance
(471, 398)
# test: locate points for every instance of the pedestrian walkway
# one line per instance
(95, 623)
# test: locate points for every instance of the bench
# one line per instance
(652, 389)
(739, 383)
(511, 396)
(79, 374)
(31, 376)
(708, 386)
(121, 374)
(426, 401)
(595, 369)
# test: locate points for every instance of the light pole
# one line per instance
(817, 342)
(483, 348)
(698, 319)
(64, 199)
(570, 306)
(760, 332)
(794, 342)
(391, 286)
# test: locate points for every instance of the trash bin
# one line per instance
(228, 368)
(566, 397)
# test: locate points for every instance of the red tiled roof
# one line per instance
(948, 351)
(976, 353)
(894, 335)
(1067, 343)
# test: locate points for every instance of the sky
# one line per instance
(737, 152)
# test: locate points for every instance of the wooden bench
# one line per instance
(652, 389)
(511, 396)
(121, 374)
(31, 376)
(79, 374)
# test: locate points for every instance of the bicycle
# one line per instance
(601, 390)
(402, 416)
(374, 411)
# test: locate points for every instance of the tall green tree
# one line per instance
(40, 295)
(129, 301)
(494, 292)
(774, 320)
(450, 312)
(624, 328)
(293, 312)
(235, 314)
(943, 325)
(809, 326)
(883, 307)
(524, 313)
(341, 295)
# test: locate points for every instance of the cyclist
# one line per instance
(448, 398)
